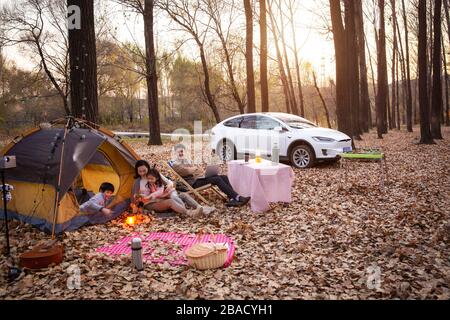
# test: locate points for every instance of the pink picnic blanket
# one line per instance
(172, 256)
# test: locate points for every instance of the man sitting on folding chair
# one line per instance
(194, 176)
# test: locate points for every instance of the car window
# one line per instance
(295, 121)
(234, 123)
(249, 122)
(266, 123)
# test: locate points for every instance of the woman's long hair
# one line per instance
(138, 164)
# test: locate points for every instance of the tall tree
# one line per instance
(251, 103)
(322, 100)
(151, 74)
(23, 23)
(146, 8)
(363, 84)
(215, 10)
(343, 110)
(263, 56)
(290, 4)
(283, 76)
(402, 63)
(425, 132)
(447, 17)
(382, 96)
(394, 66)
(444, 60)
(184, 13)
(409, 108)
(293, 100)
(352, 67)
(436, 104)
(83, 63)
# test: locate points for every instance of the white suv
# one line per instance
(298, 140)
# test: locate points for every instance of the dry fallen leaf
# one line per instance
(341, 222)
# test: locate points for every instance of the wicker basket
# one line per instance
(204, 256)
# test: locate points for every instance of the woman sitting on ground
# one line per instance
(142, 168)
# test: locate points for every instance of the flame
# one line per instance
(131, 220)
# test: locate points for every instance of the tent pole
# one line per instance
(57, 203)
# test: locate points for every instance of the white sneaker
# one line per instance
(208, 210)
(195, 213)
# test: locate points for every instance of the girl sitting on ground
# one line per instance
(157, 197)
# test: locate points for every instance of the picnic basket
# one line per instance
(204, 256)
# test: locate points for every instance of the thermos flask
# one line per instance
(136, 253)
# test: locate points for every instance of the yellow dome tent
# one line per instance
(56, 160)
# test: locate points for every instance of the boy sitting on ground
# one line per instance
(100, 201)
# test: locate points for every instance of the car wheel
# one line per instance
(226, 151)
(302, 156)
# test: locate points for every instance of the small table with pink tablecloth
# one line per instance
(264, 182)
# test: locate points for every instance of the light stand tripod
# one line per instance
(8, 162)
(5, 191)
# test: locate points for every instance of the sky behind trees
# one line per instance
(315, 43)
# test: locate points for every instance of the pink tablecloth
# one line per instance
(264, 182)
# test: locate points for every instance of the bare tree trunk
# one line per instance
(343, 110)
(397, 106)
(251, 101)
(352, 67)
(321, 99)
(62, 94)
(394, 98)
(297, 63)
(401, 55)
(293, 100)
(211, 10)
(151, 75)
(382, 74)
(83, 63)
(409, 108)
(184, 15)
(364, 87)
(373, 81)
(436, 106)
(263, 56)
(283, 76)
(206, 83)
(430, 57)
(425, 132)
(388, 109)
(445, 89)
(447, 18)
(447, 120)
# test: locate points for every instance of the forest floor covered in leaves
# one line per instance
(340, 226)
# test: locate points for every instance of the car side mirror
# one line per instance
(278, 129)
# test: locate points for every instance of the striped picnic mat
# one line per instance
(173, 256)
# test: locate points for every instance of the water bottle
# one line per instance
(275, 154)
(136, 253)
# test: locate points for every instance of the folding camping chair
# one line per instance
(367, 155)
(191, 190)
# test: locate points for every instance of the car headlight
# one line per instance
(323, 139)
